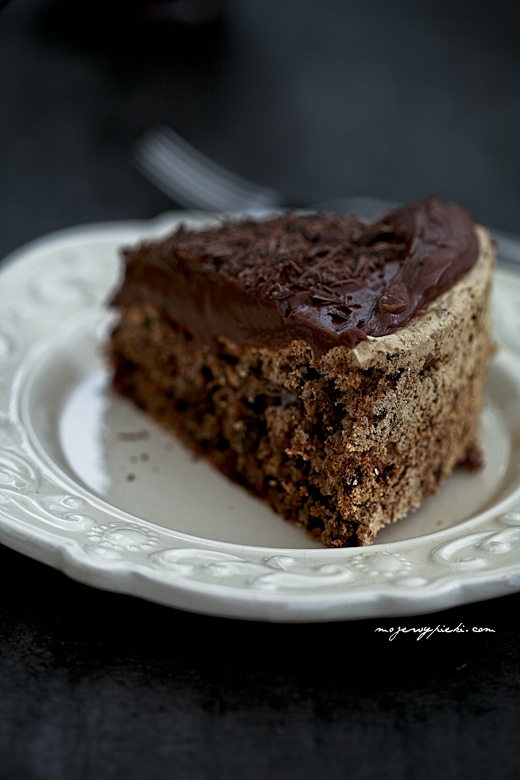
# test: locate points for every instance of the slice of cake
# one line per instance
(334, 367)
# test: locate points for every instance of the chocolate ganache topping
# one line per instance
(326, 279)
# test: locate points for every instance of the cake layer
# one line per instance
(339, 439)
(326, 279)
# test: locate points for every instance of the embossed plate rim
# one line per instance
(77, 267)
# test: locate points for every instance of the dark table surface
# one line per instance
(318, 99)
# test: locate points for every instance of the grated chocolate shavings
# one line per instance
(292, 253)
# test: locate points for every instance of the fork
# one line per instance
(194, 180)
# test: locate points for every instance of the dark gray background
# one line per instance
(319, 99)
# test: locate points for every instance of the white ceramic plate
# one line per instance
(90, 486)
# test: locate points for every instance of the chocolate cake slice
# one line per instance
(334, 367)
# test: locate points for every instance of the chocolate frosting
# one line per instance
(326, 279)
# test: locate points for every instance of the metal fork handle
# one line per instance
(192, 179)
